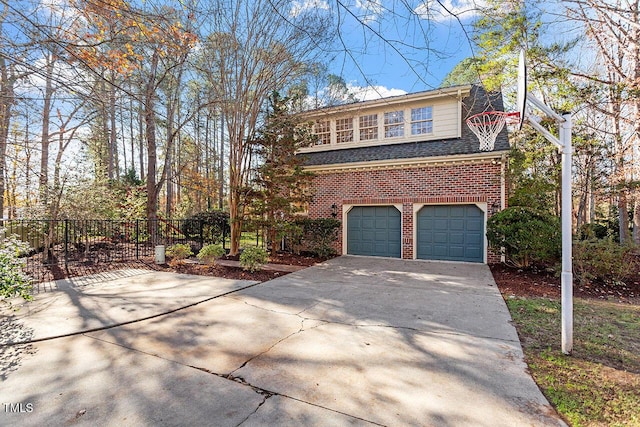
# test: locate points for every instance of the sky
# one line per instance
(400, 50)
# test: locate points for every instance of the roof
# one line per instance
(478, 101)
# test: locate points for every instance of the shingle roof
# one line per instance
(478, 101)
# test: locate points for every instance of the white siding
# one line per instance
(446, 111)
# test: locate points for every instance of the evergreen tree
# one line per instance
(281, 183)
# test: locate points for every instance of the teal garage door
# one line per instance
(374, 231)
(454, 233)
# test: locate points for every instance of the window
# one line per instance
(344, 130)
(323, 131)
(368, 127)
(421, 120)
(394, 124)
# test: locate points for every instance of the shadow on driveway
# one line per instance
(354, 341)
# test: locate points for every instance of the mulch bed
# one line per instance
(83, 269)
(540, 283)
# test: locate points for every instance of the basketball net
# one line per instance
(486, 126)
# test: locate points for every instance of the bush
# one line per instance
(209, 253)
(525, 236)
(592, 231)
(604, 260)
(179, 251)
(215, 224)
(315, 235)
(13, 281)
(252, 259)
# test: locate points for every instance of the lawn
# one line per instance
(599, 384)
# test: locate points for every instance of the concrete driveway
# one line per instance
(354, 341)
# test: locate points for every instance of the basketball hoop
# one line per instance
(486, 126)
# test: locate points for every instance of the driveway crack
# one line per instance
(302, 329)
(256, 410)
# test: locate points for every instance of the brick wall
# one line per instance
(465, 183)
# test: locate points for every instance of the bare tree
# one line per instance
(255, 47)
(613, 28)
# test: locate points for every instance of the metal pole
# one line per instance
(567, 264)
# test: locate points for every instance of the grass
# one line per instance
(599, 384)
(248, 239)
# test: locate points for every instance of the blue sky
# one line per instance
(425, 43)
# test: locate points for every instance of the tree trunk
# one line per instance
(169, 160)
(150, 122)
(636, 219)
(623, 213)
(44, 140)
(6, 101)
(141, 136)
(221, 166)
(113, 137)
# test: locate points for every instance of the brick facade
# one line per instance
(450, 183)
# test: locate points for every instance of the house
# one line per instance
(406, 177)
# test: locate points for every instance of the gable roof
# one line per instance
(477, 101)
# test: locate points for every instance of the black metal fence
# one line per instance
(68, 243)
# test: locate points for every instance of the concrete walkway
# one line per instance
(354, 341)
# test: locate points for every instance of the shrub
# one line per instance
(593, 231)
(525, 235)
(210, 253)
(215, 224)
(604, 260)
(315, 235)
(252, 259)
(179, 251)
(13, 281)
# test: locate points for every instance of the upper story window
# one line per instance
(421, 120)
(394, 124)
(323, 130)
(368, 127)
(344, 130)
(382, 125)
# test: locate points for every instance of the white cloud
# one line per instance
(300, 7)
(445, 10)
(368, 93)
(369, 10)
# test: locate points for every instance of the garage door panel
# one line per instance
(441, 223)
(441, 211)
(457, 251)
(474, 227)
(450, 232)
(475, 240)
(440, 251)
(457, 238)
(440, 237)
(457, 212)
(457, 224)
(425, 224)
(374, 231)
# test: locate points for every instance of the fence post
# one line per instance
(137, 239)
(66, 243)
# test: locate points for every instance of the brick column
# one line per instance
(407, 230)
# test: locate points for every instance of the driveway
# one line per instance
(354, 341)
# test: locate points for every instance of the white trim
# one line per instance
(480, 205)
(346, 208)
(408, 163)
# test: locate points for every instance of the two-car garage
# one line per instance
(442, 232)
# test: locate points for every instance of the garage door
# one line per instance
(374, 231)
(454, 233)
